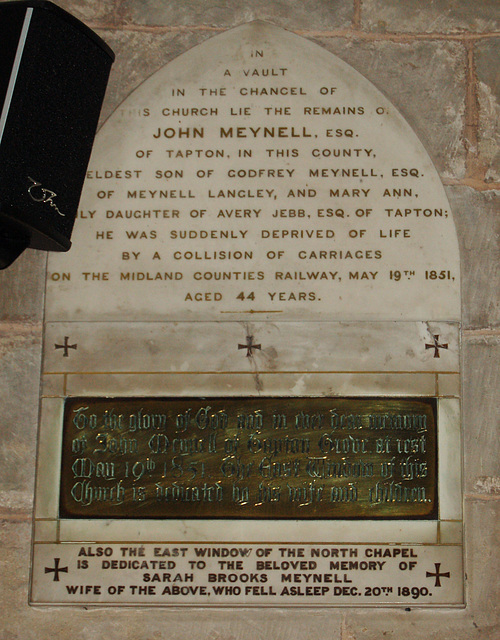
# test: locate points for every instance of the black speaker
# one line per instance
(53, 75)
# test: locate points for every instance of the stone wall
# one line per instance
(438, 63)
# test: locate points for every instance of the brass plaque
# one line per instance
(249, 458)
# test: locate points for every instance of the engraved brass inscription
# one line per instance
(249, 458)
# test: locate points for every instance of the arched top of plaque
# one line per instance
(258, 174)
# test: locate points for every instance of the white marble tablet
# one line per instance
(258, 222)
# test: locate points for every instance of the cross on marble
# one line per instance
(66, 347)
(437, 575)
(56, 569)
(249, 346)
(436, 346)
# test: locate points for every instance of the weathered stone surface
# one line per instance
(482, 539)
(139, 55)
(412, 622)
(91, 12)
(478, 228)
(310, 14)
(488, 74)
(487, 58)
(489, 485)
(20, 351)
(440, 16)
(480, 412)
(424, 81)
(22, 287)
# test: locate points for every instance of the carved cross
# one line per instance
(249, 346)
(437, 575)
(436, 346)
(56, 569)
(66, 347)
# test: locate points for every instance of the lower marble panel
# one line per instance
(232, 574)
(249, 562)
(228, 561)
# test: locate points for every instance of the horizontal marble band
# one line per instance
(114, 347)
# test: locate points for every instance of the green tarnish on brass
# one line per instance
(301, 458)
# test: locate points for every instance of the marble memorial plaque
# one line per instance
(251, 382)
